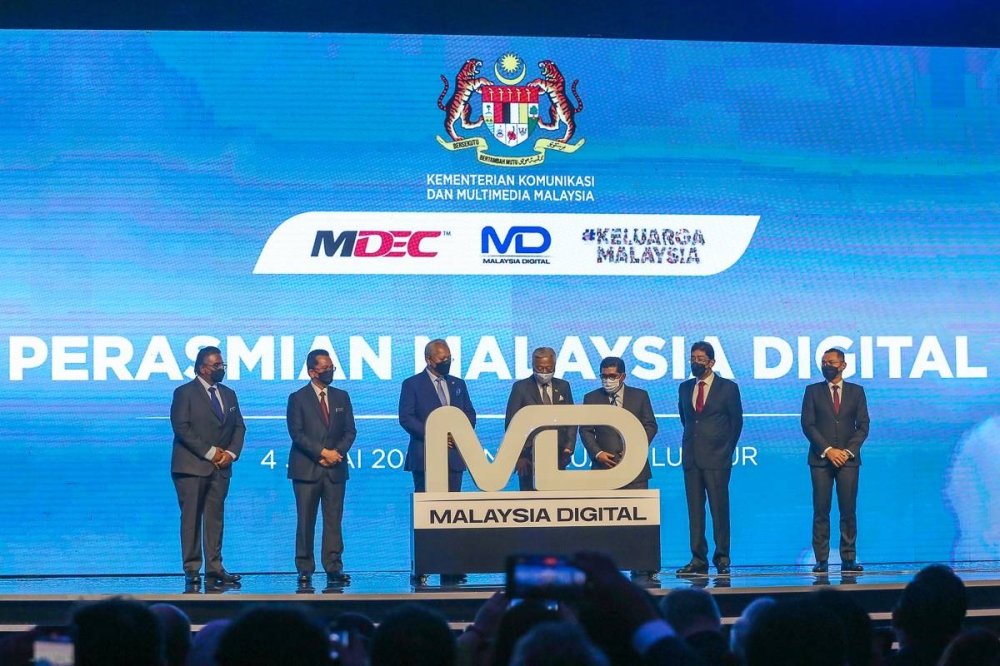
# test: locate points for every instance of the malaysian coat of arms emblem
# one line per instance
(510, 111)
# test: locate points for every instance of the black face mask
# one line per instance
(830, 371)
(698, 369)
(325, 378)
(217, 375)
(443, 367)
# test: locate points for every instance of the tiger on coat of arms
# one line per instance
(553, 84)
(467, 83)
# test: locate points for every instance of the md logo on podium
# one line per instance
(571, 510)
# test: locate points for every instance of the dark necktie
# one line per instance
(699, 404)
(836, 400)
(216, 405)
(614, 399)
(323, 406)
(546, 400)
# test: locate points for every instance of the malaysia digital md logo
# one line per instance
(529, 245)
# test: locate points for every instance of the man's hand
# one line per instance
(565, 456)
(837, 456)
(332, 456)
(621, 602)
(220, 456)
(451, 441)
(523, 466)
(606, 459)
(226, 461)
(490, 613)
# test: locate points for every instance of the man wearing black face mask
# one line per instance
(835, 421)
(712, 416)
(208, 437)
(420, 395)
(320, 422)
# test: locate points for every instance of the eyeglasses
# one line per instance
(217, 366)
(318, 370)
(614, 375)
(700, 359)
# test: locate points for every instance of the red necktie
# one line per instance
(699, 404)
(836, 400)
(322, 405)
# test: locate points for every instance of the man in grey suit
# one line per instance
(208, 438)
(605, 445)
(835, 421)
(711, 413)
(542, 388)
(320, 422)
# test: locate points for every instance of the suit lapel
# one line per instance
(557, 394)
(534, 392)
(846, 396)
(226, 401)
(687, 390)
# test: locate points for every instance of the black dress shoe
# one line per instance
(645, 575)
(418, 580)
(338, 578)
(454, 579)
(192, 583)
(722, 569)
(222, 577)
(304, 578)
(692, 569)
(304, 583)
(821, 567)
(851, 566)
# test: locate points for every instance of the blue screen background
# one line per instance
(142, 173)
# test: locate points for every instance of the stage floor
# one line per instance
(41, 600)
(397, 583)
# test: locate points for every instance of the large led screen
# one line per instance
(274, 193)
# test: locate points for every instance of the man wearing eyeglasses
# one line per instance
(541, 388)
(605, 445)
(208, 437)
(711, 413)
(320, 421)
(835, 421)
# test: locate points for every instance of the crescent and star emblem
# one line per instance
(511, 63)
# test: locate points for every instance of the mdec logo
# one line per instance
(517, 236)
(373, 243)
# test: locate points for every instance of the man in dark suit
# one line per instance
(835, 421)
(542, 388)
(604, 444)
(208, 437)
(420, 395)
(712, 417)
(321, 424)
